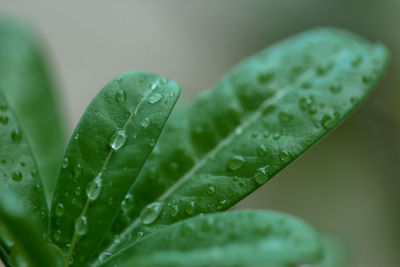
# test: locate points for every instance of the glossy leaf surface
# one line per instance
(255, 121)
(25, 240)
(19, 174)
(27, 85)
(226, 239)
(108, 148)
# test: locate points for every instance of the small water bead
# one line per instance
(221, 205)
(3, 119)
(330, 120)
(78, 191)
(139, 235)
(57, 235)
(174, 211)
(276, 136)
(154, 98)
(111, 201)
(210, 189)
(104, 256)
(284, 156)
(235, 163)
(207, 224)
(285, 116)
(76, 137)
(93, 189)
(261, 175)
(261, 150)
(306, 85)
(151, 212)
(308, 104)
(190, 208)
(145, 122)
(118, 140)
(64, 163)
(59, 210)
(354, 100)
(120, 96)
(366, 79)
(78, 170)
(322, 70)
(81, 225)
(127, 203)
(16, 176)
(356, 62)
(266, 134)
(336, 89)
(163, 81)
(153, 86)
(266, 77)
(16, 136)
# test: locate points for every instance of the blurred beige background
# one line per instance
(347, 185)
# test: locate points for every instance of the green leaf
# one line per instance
(27, 85)
(104, 156)
(27, 247)
(254, 122)
(18, 171)
(225, 239)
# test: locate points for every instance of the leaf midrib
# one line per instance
(249, 120)
(102, 169)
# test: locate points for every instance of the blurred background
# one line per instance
(348, 185)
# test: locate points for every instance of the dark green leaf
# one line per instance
(18, 171)
(254, 122)
(104, 156)
(27, 85)
(26, 245)
(225, 239)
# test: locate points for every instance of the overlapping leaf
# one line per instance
(225, 239)
(25, 243)
(254, 122)
(19, 176)
(104, 156)
(27, 85)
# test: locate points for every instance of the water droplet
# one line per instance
(78, 170)
(261, 175)
(221, 205)
(81, 225)
(76, 137)
(261, 150)
(111, 201)
(78, 191)
(127, 203)
(356, 62)
(190, 208)
(64, 163)
(151, 212)
(104, 256)
(3, 119)
(276, 136)
(16, 136)
(210, 189)
(154, 98)
(335, 89)
(265, 77)
(266, 134)
(16, 176)
(322, 70)
(164, 80)
(306, 85)
(284, 116)
(59, 210)
(174, 211)
(207, 224)
(139, 235)
(145, 122)
(329, 121)
(308, 104)
(354, 100)
(57, 235)
(235, 163)
(284, 156)
(366, 79)
(153, 86)
(93, 189)
(117, 140)
(3, 105)
(120, 96)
